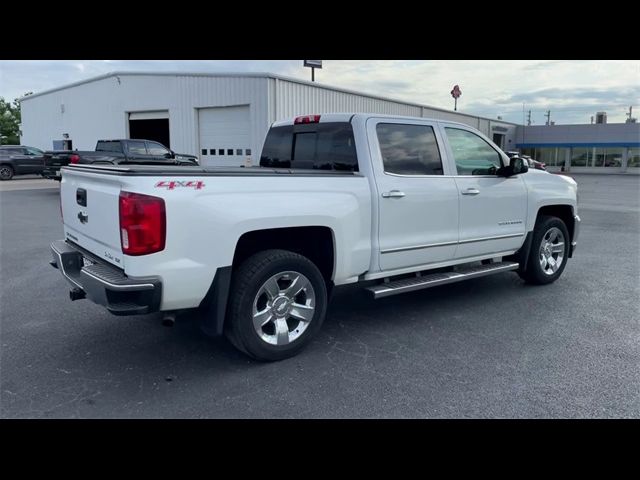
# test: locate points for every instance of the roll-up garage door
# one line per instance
(150, 126)
(224, 134)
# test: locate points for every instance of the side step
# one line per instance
(435, 279)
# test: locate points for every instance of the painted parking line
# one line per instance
(28, 184)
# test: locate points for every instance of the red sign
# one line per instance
(456, 92)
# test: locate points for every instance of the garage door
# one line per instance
(224, 135)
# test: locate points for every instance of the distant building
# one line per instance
(592, 148)
(222, 118)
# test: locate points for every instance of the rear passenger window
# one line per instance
(409, 149)
(137, 148)
(316, 146)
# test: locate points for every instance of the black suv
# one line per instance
(20, 160)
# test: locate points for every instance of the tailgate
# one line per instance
(54, 159)
(90, 209)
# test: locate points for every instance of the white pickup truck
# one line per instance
(394, 203)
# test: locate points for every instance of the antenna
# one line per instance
(548, 115)
(529, 118)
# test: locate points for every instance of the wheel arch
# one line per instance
(562, 211)
(565, 213)
(317, 243)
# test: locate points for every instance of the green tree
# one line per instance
(10, 121)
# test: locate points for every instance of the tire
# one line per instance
(260, 289)
(548, 233)
(6, 172)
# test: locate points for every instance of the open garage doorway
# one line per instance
(150, 126)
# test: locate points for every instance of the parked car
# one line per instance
(116, 152)
(534, 163)
(393, 203)
(20, 160)
(531, 163)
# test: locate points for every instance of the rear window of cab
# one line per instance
(315, 146)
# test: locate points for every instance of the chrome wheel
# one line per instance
(283, 308)
(551, 254)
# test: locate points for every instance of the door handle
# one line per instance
(470, 191)
(393, 194)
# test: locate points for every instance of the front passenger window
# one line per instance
(472, 154)
(156, 149)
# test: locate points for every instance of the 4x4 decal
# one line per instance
(173, 184)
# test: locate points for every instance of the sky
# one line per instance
(573, 90)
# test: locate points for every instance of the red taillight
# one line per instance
(142, 224)
(74, 159)
(307, 119)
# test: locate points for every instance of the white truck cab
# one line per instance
(396, 203)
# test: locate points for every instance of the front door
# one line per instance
(417, 203)
(493, 209)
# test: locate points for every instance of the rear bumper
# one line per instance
(105, 284)
(576, 234)
(52, 173)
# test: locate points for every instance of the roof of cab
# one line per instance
(347, 117)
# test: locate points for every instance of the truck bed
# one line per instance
(190, 171)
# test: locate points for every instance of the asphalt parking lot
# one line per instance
(485, 348)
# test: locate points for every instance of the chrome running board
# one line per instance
(435, 279)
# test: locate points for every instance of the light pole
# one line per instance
(313, 64)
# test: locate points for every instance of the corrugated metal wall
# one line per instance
(99, 109)
(297, 99)
(289, 99)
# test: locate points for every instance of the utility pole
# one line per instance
(630, 119)
(529, 118)
(548, 115)
(522, 122)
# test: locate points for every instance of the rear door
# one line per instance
(493, 209)
(90, 209)
(417, 197)
(136, 151)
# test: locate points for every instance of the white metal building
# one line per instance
(223, 118)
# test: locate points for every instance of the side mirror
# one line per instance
(170, 154)
(516, 166)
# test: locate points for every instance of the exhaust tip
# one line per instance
(169, 320)
(77, 294)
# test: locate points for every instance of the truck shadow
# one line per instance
(118, 363)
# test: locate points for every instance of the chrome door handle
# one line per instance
(393, 194)
(470, 191)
